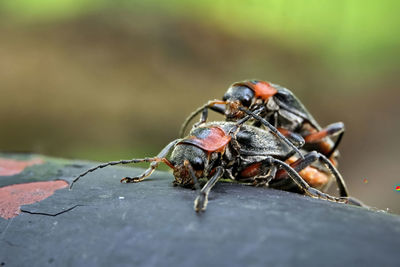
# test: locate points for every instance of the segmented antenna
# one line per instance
(273, 130)
(110, 164)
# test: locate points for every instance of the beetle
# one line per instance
(280, 108)
(236, 151)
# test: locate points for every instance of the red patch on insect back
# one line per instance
(398, 188)
(215, 141)
(261, 89)
(12, 197)
(10, 167)
(264, 90)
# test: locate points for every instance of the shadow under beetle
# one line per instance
(239, 152)
(282, 111)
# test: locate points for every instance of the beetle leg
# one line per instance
(339, 179)
(276, 119)
(329, 131)
(308, 190)
(314, 156)
(154, 164)
(192, 175)
(335, 146)
(233, 132)
(214, 105)
(263, 180)
(334, 129)
(294, 111)
(295, 138)
(311, 174)
(356, 202)
(200, 203)
(204, 115)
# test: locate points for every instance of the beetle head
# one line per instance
(181, 157)
(237, 95)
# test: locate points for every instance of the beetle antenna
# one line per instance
(159, 158)
(272, 129)
(203, 108)
(111, 163)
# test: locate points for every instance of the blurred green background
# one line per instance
(105, 80)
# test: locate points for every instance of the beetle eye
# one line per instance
(246, 101)
(197, 163)
(225, 97)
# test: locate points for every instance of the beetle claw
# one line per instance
(312, 192)
(262, 181)
(200, 203)
(131, 180)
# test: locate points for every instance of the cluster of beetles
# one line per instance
(267, 138)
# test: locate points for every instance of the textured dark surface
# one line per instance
(153, 223)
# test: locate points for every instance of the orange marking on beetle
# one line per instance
(264, 90)
(10, 167)
(12, 197)
(261, 89)
(316, 137)
(314, 177)
(285, 132)
(215, 141)
(293, 161)
(324, 146)
(310, 174)
(251, 170)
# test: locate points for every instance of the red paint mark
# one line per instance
(10, 167)
(398, 188)
(365, 181)
(12, 197)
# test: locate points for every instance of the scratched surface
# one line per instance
(104, 223)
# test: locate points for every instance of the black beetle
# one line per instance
(239, 152)
(280, 108)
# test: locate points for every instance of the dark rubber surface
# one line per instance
(102, 222)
